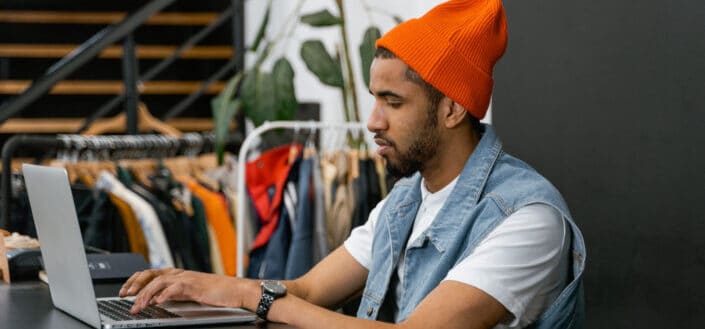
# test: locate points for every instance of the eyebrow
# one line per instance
(385, 93)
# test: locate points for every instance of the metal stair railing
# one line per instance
(72, 62)
(230, 12)
(123, 30)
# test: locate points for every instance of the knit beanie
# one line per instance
(454, 48)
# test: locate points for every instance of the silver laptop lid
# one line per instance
(62, 248)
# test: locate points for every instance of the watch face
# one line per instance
(275, 287)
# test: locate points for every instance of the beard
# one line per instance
(422, 148)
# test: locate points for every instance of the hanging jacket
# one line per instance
(219, 220)
(300, 258)
(101, 225)
(171, 224)
(320, 240)
(270, 261)
(266, 177)
(159, 252)
(133, 230)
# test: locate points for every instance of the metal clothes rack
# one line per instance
(242, 160)
(189, 143)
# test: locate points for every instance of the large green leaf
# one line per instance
(224, 109)
(223, 116)
(258, 98)
(283, 76)
(262, 28)
(367, 51)
(321, 18)
(321, 63)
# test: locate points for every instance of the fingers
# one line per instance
(136, 282)
(148, 293)
(168, 285)
(171, 292)
(140, 279)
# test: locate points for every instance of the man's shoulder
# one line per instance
(515, 184)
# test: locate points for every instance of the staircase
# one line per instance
(35, 35)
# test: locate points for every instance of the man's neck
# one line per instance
(448, 163)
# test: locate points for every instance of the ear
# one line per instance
(453, 113)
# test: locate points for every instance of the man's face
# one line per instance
(403, 120)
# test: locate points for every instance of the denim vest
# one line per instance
(492, 186)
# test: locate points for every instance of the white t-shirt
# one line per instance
(522, 263)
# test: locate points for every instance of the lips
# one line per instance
(384, 145)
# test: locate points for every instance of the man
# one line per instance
(472, 238)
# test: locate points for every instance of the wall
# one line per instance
(606, 98)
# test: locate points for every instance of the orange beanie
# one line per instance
(454, 48)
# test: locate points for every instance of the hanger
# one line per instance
(145, 120)
(140, 169)
(354, 164)
(310, 145)
(293, 150)
(202, 164)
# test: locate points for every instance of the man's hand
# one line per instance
(158, 286)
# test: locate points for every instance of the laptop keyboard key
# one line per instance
(119, 309)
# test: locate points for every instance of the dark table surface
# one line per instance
(27, 304)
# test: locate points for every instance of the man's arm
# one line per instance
(338, 277)
(330, 283)
(334, 280)
(450, 305)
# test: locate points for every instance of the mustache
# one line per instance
(385, 139)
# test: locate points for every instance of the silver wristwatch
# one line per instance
(271, 290)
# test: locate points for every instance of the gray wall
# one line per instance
(607, 99)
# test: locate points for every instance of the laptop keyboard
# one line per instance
(119, 309)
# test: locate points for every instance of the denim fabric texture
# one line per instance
(491, 186)
(300, 258)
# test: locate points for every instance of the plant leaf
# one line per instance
(230, 88)
(262, 28)
(257, 96)
(367, 51)
(286, 103)
(321, 18)
(224, 108)
(321, 63)
(263, 54)
(222, 117)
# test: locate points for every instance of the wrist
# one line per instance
(271, 291)
(249, 293)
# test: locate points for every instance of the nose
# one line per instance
(377, 120)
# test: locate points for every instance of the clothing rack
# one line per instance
(188, 144)
(242, 160)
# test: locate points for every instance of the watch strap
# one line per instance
(264, 304)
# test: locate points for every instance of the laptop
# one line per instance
(67, 270)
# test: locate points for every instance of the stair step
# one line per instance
(71, 125)
(30, 68)
(106, 87)
(81, 106)
(99, 17)
(143, 51)
(119, 6)
(78, 34)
